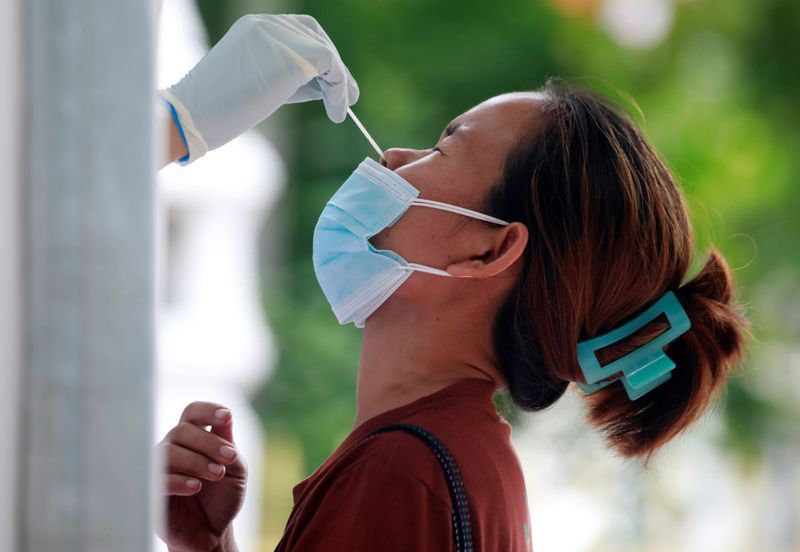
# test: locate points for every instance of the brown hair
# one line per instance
(609, 234)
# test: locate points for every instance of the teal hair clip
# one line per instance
(643, 369)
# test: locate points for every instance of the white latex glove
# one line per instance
(262, 62)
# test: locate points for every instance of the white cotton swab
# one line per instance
(363, 130)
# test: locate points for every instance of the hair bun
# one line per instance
(716, 319)
(704, 357)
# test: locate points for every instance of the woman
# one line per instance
(575, 229)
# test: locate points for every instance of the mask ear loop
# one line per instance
(427, 269)
(453, 209)
(430, 203)
(366, 134)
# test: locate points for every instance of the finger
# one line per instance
(179, 460)
(182, 485)
(199, 440)
(202, 413)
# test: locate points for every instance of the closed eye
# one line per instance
(449, 131)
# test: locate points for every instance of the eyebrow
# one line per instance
(451, 129)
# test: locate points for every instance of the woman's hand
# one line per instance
(205, 480)
(262, 62)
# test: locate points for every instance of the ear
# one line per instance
(504, 248)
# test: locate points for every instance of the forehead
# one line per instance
(502, 114)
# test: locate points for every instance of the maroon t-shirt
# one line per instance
(389, 493)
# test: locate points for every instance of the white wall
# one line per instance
(213, 341)
(9, 263)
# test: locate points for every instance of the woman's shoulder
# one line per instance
(484, 454)
(462, 417)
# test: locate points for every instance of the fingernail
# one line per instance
(222, 413)
(216, 469)
(193, 484)
(227, 452)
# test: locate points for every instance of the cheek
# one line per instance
(424, 235)
(418, 237)
(400, 237)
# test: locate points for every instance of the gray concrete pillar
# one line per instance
(87, 302)
(10, 105)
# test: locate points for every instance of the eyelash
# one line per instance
(436, 148)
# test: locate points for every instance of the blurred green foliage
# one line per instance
(719, 98)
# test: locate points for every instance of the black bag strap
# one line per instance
(462, 530)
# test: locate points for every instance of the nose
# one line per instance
(394, 158)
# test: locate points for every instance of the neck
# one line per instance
(408, 355)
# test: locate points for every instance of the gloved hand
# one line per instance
(262, 62)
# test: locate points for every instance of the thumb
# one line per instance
(238, 469)
(224, 429)
(335, 99)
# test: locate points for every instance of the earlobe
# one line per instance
(472, 268)
(511, 242)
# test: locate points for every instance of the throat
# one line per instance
(399, 367)
(409, 352)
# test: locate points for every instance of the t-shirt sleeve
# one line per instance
(374, 506)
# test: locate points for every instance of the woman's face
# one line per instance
(460, 169)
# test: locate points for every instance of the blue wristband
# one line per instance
(180, 130)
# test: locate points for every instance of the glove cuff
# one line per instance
(195, 144)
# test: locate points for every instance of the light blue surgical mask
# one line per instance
(355, 277)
